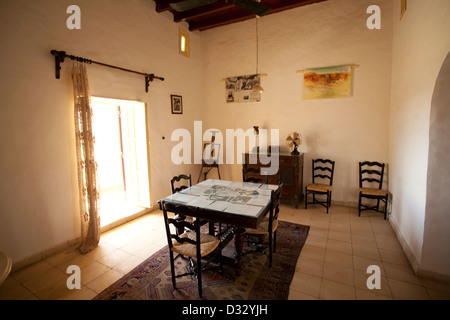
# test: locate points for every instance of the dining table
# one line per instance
(233, 205)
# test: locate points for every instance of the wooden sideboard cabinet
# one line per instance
(290, 173)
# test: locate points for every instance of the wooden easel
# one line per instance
(206, 168)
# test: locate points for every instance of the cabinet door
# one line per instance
(288, 177)
(289, 183)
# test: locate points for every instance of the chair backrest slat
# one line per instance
(323, 169)
(275, 200)
(371, 172)
(185, 211)
(176, 179)
(182, 240)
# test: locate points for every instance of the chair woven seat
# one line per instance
(263, 227)
(208, 244)
(372, 192)
(319, 187)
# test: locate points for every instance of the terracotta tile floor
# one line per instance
(332, 264)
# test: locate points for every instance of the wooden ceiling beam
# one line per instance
(215, 8)
(223, 12)
(214, 22)
(290, 4)
(163, 5)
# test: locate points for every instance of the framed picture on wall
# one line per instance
(177, 104)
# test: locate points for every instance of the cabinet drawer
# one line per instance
(272, 179)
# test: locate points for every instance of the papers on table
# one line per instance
(201, 202)
(243, 209)
(213, 182)
(269, 186)
(244, 185)
(260, 200)
(241, 198)
(218, 205)
(266, 192)
(180, 197)
(195, 190)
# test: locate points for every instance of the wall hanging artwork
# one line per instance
(240, 89)
(177, 104)
(327, 83)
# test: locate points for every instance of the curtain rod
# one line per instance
(61, 55)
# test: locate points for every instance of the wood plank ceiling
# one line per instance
(223, 12)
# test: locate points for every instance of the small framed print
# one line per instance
(177, 104)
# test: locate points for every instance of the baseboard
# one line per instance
(409, 255)
(73, 244)
(434, 276)
(413, 261)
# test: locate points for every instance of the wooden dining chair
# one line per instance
(180, 182)
(177, 184)
(253, 175)
(267, 227)
(371, 176)
(322, 182)
(192, 243)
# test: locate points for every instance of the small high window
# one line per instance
(184, 42)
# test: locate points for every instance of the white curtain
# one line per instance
(87, 167)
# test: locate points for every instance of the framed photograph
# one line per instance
(177, 104)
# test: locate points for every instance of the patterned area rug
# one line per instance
(254, 280)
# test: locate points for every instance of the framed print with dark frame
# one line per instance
(177, 104)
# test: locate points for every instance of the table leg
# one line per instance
(239, 238)
(212, 230)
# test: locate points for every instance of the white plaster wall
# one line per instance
(421, 43)
(436, 244)
(38, 184)
(320, 35)
(38, 192)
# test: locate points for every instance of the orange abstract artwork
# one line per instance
(327, 83)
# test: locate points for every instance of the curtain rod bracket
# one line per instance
(59, 58)
(148, 78)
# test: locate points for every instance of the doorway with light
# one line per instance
(121, 152)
